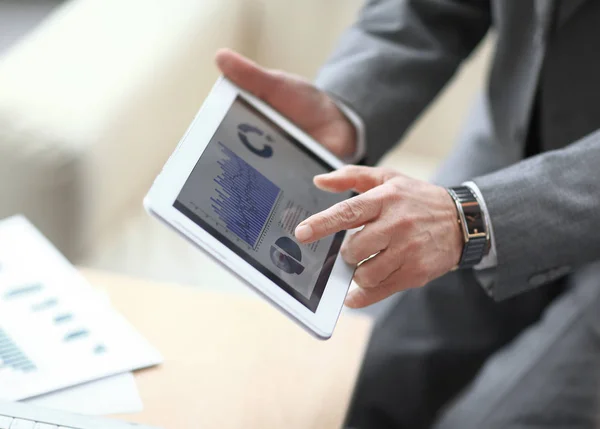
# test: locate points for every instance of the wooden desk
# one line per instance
(235, 362)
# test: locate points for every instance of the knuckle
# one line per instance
(388, 173)
(383, 236)
(413, 247)
(387, 229)
(408, 223)
(348, 213)
(326, 223)
(349, 254)
(390, 193)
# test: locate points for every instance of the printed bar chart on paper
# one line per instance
(244, 197)
(55, 332)
(12, 357)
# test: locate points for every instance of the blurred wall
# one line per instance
(17, 17)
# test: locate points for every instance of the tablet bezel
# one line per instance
(167, 186)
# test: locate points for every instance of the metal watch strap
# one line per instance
(473, 252)
(472, 224)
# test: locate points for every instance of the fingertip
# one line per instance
(303, 233)
(224, 51)
(328, 189)
(332, 184)
(223, 57)
(326, 178)
(320, 178)
(233, 64)
(322, 182)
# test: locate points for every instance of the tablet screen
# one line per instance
(250, 189)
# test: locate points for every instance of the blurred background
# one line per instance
(95, 94)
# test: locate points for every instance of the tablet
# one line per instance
(237, 185)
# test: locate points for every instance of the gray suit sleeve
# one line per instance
(394, 60)
(546, 214)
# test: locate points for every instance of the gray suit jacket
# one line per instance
(545, 210)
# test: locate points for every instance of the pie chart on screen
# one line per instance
(287, 256)
(247, 133)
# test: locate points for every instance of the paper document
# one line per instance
(113, 395)
(54, 330)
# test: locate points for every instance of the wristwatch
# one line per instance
(472, 222)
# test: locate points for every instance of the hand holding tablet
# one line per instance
(295, 98)
(237, 186)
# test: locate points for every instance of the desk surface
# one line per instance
(235, 362)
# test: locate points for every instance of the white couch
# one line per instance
(93, 101)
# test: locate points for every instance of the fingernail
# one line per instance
(304, 232)
(326, 188)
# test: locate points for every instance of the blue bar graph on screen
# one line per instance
(245, 198)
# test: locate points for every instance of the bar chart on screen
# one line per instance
(56, 331)
(244, 198)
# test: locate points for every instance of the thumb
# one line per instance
(246, 74)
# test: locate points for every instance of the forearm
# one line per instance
(397, 57)
(545, 214)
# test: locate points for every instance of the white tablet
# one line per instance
(238, 184)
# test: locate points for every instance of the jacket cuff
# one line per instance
(359, 126)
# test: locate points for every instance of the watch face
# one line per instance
(474, 218)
